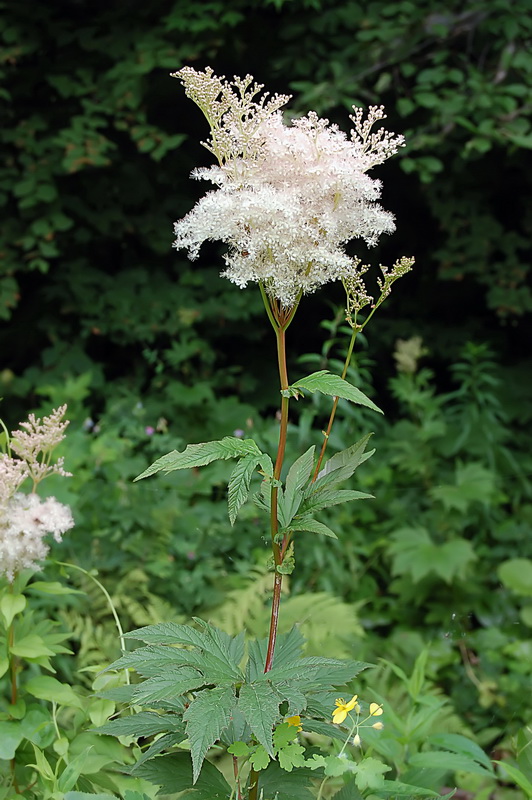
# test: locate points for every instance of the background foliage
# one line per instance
(151, 352)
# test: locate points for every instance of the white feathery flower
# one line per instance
(288, 198)
(36, 439)
(25, 522)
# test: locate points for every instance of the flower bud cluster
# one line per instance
(288, 198)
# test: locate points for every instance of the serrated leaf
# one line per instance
(157, 747)
(327, 383)
(168, 633)
(298, 475)
(331, 497)
(152, 660)
(239, 482)
(353, 456)
(312, 525)
(169, 685)
(198, 455)
(206, 717)
(259, 704)
(315, 671)
(173, 773)
(229, 649)
(145, 723)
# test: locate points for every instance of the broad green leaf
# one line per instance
(283, 735)
(31, 646)
(312, 525)
(239, 482)
(330, 497)
(327, 383)
(415, 553)
(275, 782)
(461, 744)
(315, 671)
(516, 775)
(298, 475)
(169, 685)
(198, 455)
(173, 773)
(451, 761)
(11, 736)
(206, 717)
(145, 723)
(348, 792)
(352, 457)
(4, 665)
(239, 749)
(516, 574)
(45, 687)
(152, 660)
(10, 606)
(259, 704)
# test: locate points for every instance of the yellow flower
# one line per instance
(295, 721)
(343, 708)
(375, 710)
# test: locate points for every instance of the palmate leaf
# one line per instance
(173, 773)
(327, 383)
(198, 455)
(207, 717)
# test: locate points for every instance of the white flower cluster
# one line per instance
(288, 198)
(25, 519)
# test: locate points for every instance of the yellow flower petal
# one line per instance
(295, 721)
(375, 710)
(343, 708)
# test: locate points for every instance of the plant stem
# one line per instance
(327, 431)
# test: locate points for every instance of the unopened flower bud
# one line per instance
(357, 741)
(378, 726)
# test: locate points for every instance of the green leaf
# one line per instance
(312, 525)
(415, 553)
(291, 756)
(327, 383)
(324, 498)
(275, 782)
(90, 796)
(517, 776)
(369, 773)
(398, 789)
(10, 606)
(72, 771)
(165, 742)
(144, 723)
(31, 646)
(298, 475)
(259, 759)
(516, 574)
(198, 455)
(238, 749)
(259, 704)
(44, 687)
(51, 587)
(352, 457)
(238, 488)
(436, 759)
(11, 736)
(42, 765)
(173, 773)
(207, 716)
(168, 686)
(461, 744)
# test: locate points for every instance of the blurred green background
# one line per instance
(151, 352)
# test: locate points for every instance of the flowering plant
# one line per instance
(287, 200)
